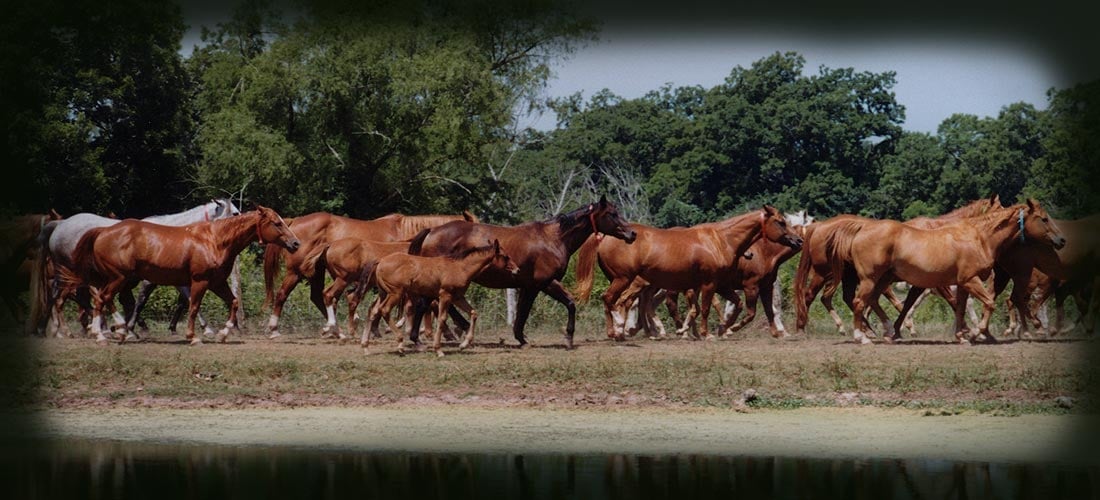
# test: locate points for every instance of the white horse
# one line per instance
(59, 239)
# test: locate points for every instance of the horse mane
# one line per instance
(968, 210)
(417, 242)
(568, 218)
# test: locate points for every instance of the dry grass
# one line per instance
(301, 369)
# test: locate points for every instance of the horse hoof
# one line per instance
(274, 335)
(366, 352)
(222, 336)
(865, 340)
(709, 337)
(439, 354)
(196, 341)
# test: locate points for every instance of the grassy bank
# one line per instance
(299, 369)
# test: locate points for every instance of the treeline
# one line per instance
(364, 109)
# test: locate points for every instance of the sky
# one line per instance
(939, 72)
(935, 78)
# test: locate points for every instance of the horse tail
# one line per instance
(272, 255)
(319, 258)
(586, 263)
(417, 243)
(838, 250)
(365, 278)
(39, 284)
(470, 217)
(84, 265)
(802, 305)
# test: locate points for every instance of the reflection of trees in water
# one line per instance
(108, 469)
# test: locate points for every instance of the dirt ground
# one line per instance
(817, 432)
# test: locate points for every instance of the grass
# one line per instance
(822, 369)
(300, 368)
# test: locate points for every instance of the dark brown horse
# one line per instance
(321, 228)
(1071, 270)
(541, 250)
(960, 253)
(816, 267)
(19, 247)
(201, 255)
(699, 258)
(399, 276)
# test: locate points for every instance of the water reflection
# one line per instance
(107, 469)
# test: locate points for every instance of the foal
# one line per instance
(346, 260)
(445, 278)
(201, 255)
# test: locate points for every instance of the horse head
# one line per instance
(224, 207)
(774, 226)
(501, 260)
(1036, 225)
(606, 219)
(798, 222)
(272, 229)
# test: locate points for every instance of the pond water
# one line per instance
(80, 468)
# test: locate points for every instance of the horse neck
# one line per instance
(574, 230)
(190, 216)
(235, 233)
(740, 232)
(476, 262)
(999, 230)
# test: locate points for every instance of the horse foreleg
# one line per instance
(734, 307)
(610, 303)
(558, 292)
(133, 319)
(445, 299)
(769, 298)
(329, 297)
(865, 295)
(523, 309)
(353, 297)
(752, 293)
(461, 302)
(975, 287)
(232, 303)
(691, 298)
(126, 298)
(289, 282)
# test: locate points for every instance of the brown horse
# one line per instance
(319, 229)
(960, 253)
(19, 248)
(201, 255)
(346, 260)
(541, 250)
(756, 275)
(1071, 270)
(699, 258)
(816, 267)
(399, 276)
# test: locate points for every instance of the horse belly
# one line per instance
(928, 273)
(163, 275)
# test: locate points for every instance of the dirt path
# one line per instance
(819, 432)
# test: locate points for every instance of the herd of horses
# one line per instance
(424, 264)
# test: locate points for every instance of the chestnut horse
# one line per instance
(756, 274)
(700, 258)
(400, 276)
(815, 266)
(960, 253)
(346, 260)
(201, 255)
(541, 250)
(318, 229)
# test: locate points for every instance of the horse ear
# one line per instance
(1032, 205)
(603, 200)
(54, 215)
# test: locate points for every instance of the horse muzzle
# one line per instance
(794, 242)
(1058, 241)
(629, 236)
(293, 245)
